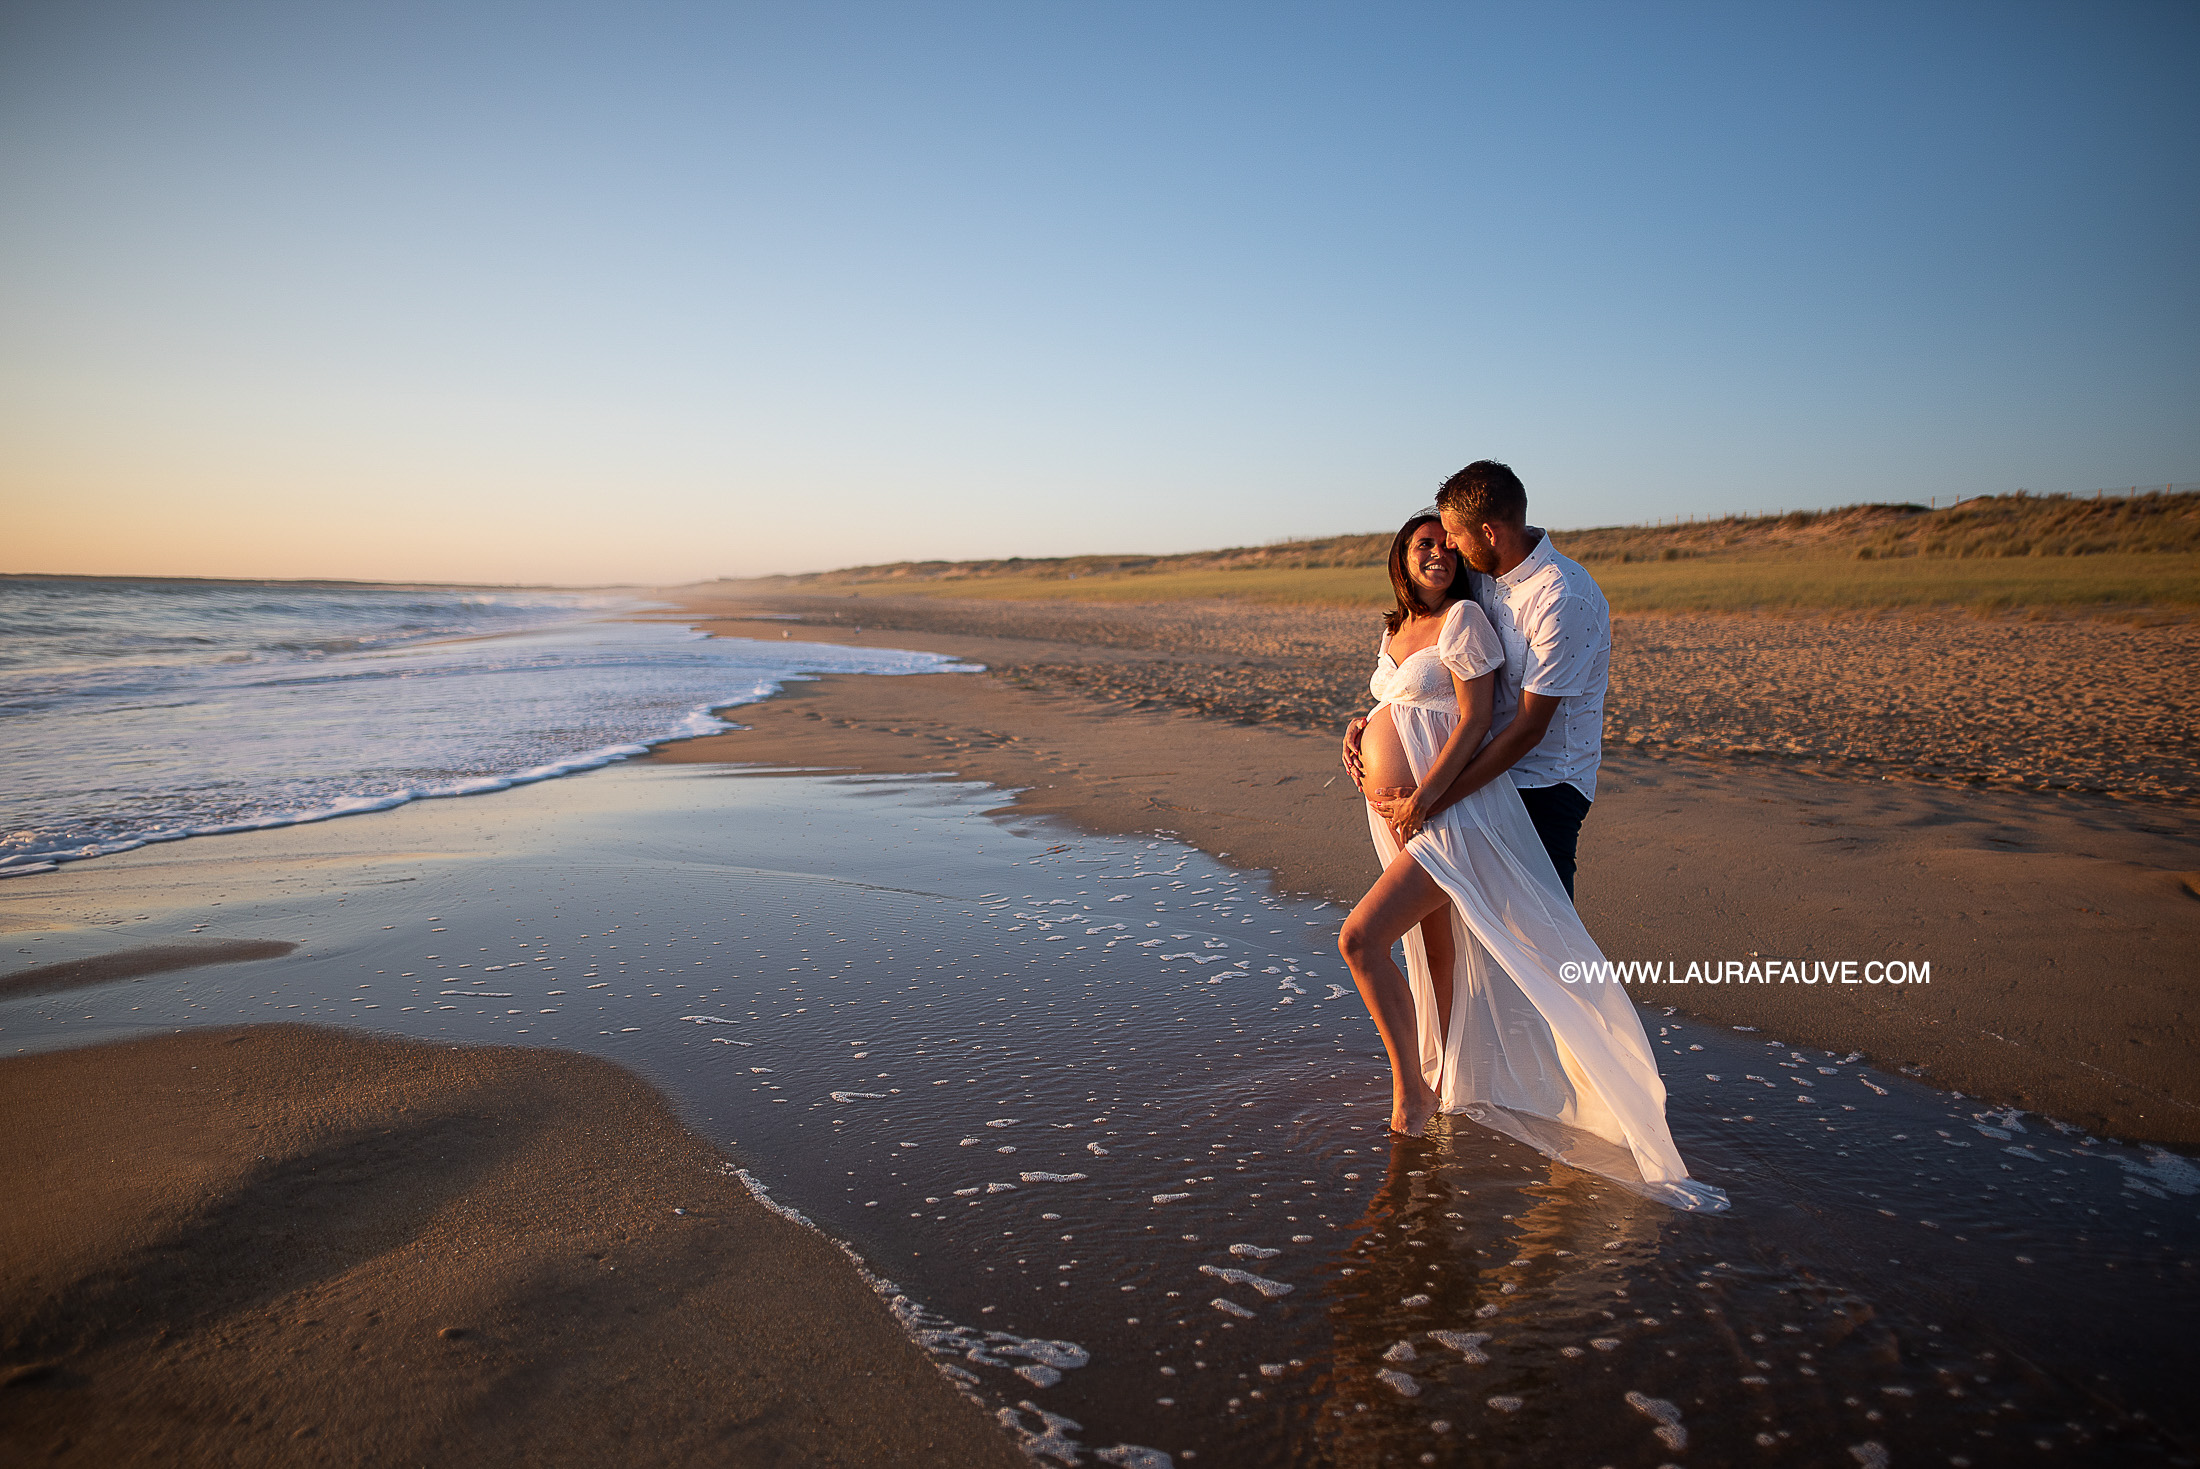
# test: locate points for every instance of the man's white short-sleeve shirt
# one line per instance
(1557, 631)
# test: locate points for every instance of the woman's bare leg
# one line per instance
(1402, 897)
(1443, 959)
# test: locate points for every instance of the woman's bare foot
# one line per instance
(1409, 1116)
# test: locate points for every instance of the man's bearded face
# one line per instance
(1474, 545)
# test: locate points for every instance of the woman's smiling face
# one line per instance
(1430, 561)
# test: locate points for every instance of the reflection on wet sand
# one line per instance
(1444, 1261)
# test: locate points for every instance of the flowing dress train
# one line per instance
(1564, 1067)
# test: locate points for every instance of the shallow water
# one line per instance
(1107, 1116)
(137, 712)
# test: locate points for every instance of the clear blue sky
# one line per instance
(657, 291)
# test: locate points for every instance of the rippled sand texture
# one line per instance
(2077, 705)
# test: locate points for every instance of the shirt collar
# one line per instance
(1534, 562)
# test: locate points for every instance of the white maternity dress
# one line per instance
(1563, 1067)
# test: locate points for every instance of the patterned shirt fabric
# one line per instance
(1556, 629)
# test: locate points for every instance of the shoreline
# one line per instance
(2060, 926)
(2088, 708)
(190, 786)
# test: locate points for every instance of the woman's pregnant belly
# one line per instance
(1383, 754)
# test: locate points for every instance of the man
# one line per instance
(1547, 710)
(1557, 632)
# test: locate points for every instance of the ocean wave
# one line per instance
(125, 750)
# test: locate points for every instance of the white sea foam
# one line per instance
(1668, 1418)
(439, 693)
(1467, 1344)
(950, 1344)
(2162, 1171)
(1134, 1456)
(1261, 1283)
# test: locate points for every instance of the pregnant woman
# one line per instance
(1486, 1025)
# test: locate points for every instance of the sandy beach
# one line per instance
(2070, 704)
(287, 1245)
(2060, 920)
(673, 689)
(314, 1242)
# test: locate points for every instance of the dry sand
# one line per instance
(2076, 704)
(281, 1245)
(2063, 930)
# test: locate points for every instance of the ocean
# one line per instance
(148, 711)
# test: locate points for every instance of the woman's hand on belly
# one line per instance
(1352, 765)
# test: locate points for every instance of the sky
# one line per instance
(648, 293)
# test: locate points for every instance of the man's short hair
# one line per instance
(1485, 490)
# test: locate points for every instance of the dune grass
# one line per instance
(2077, 583)
(1336, 586)
(2127, 554)
(2071, 582)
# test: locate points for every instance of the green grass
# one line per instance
(2106, 582)
(2077, 582)
(1339, 586)
(2119, 554)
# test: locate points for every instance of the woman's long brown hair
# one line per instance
(1409, 601)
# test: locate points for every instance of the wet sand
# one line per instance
(2061, 928)
(280, 1244)
(1106, 1111)
(137, 963)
